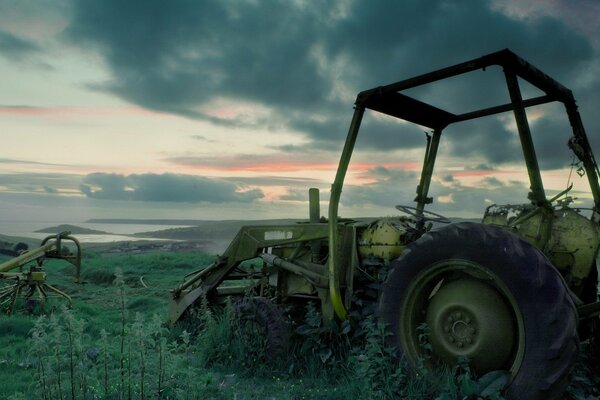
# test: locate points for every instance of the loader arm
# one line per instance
(247, 244)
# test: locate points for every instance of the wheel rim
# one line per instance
(469, 312)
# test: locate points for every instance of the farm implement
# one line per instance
(32, 282)
(515, 292)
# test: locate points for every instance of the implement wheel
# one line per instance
(266, 325)
(489, 296)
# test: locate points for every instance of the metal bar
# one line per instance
(198, 276)
(334, 201)
(535, 76)
(41, 295)
(314, 205)
(60, 292)
(13, 300)
(316, 268)
(538, 196)
(57, 252)
(454, 70)
(25, 258)
(236, 289)
(294, 268)
(505, 58)
(484, 112)
(315, 218)
(428, 165)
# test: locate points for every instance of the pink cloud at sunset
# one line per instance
(76, 111)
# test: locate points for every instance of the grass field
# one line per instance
(113, 344)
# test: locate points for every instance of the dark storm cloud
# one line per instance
(489, 137)
(551, 135)
(305, 62)
(14, 47)
(376, 133)
(169, 56)
(50, 190)
(392, 187)
(477, 199)
(165, 187)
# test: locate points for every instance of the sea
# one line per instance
(118, 232)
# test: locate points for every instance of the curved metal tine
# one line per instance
(8, 290)
(41, 295)
(63, 294)
(14, 299)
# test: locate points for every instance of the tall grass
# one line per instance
(144, 361)
(114, 348)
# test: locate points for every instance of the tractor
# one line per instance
(515, 292)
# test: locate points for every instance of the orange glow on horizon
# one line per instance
(299, 166)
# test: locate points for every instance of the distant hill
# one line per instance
(211, 229)
(75, 230)
(190, 222)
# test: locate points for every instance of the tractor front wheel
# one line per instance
(264, 326)
(486, 295)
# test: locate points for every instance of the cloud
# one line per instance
(489, 138)
(202, 138)
(165, 188)
(304, 183)
(475, 200)
(12, 46)
(26, 162)
(293, 194)
(38, 183)
(304, 64)
(582, 16)
(391, 187)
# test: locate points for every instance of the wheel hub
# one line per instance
(469, 318)
(460, 328)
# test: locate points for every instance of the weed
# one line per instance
(104, 341)
(120, 283)
(39, 351)
(127, 354)
(99, 277)
(328, 344)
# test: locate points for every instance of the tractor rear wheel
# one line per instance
(489, 296)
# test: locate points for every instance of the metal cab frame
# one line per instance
(390, 100)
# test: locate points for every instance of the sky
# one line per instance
(231, 109)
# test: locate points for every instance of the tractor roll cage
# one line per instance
(388, 100)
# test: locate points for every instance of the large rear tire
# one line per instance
(489, 296)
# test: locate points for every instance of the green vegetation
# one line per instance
(113, 344)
